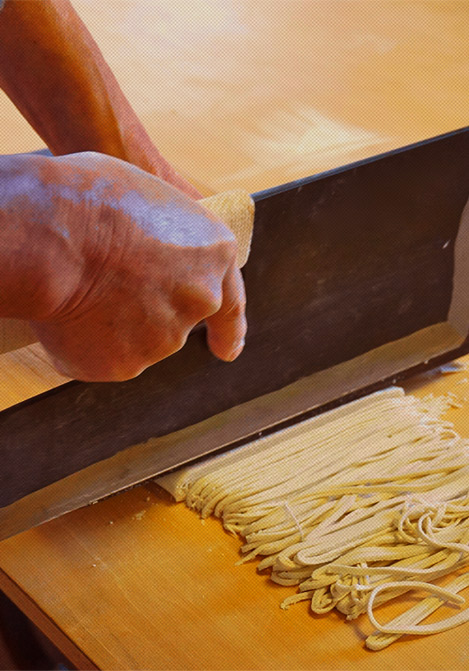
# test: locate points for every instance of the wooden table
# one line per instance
(236, 94)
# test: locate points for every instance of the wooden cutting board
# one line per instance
(138, 582)
(250, 94)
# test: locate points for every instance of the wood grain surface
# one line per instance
(138, 582)
(236, 94)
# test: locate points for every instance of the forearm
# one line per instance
(37, 267)
(54, 72)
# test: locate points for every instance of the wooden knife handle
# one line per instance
(234, 208)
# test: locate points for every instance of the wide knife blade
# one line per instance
(356, 276)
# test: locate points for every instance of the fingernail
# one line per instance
(236, 351)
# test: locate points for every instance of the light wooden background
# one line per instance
(246, 94)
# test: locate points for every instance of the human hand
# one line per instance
(136, 264)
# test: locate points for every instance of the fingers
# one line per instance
(226, 328)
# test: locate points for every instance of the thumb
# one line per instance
(226, 329)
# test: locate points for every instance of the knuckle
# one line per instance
(165, 341)
(222, 254)
(120, 369)
(212, 305)
(230, 250)
(235, 310)
(173, 339)
(178, 340)
(197, 302)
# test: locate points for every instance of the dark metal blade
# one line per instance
(352, 280)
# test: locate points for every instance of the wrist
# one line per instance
(40, 264)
